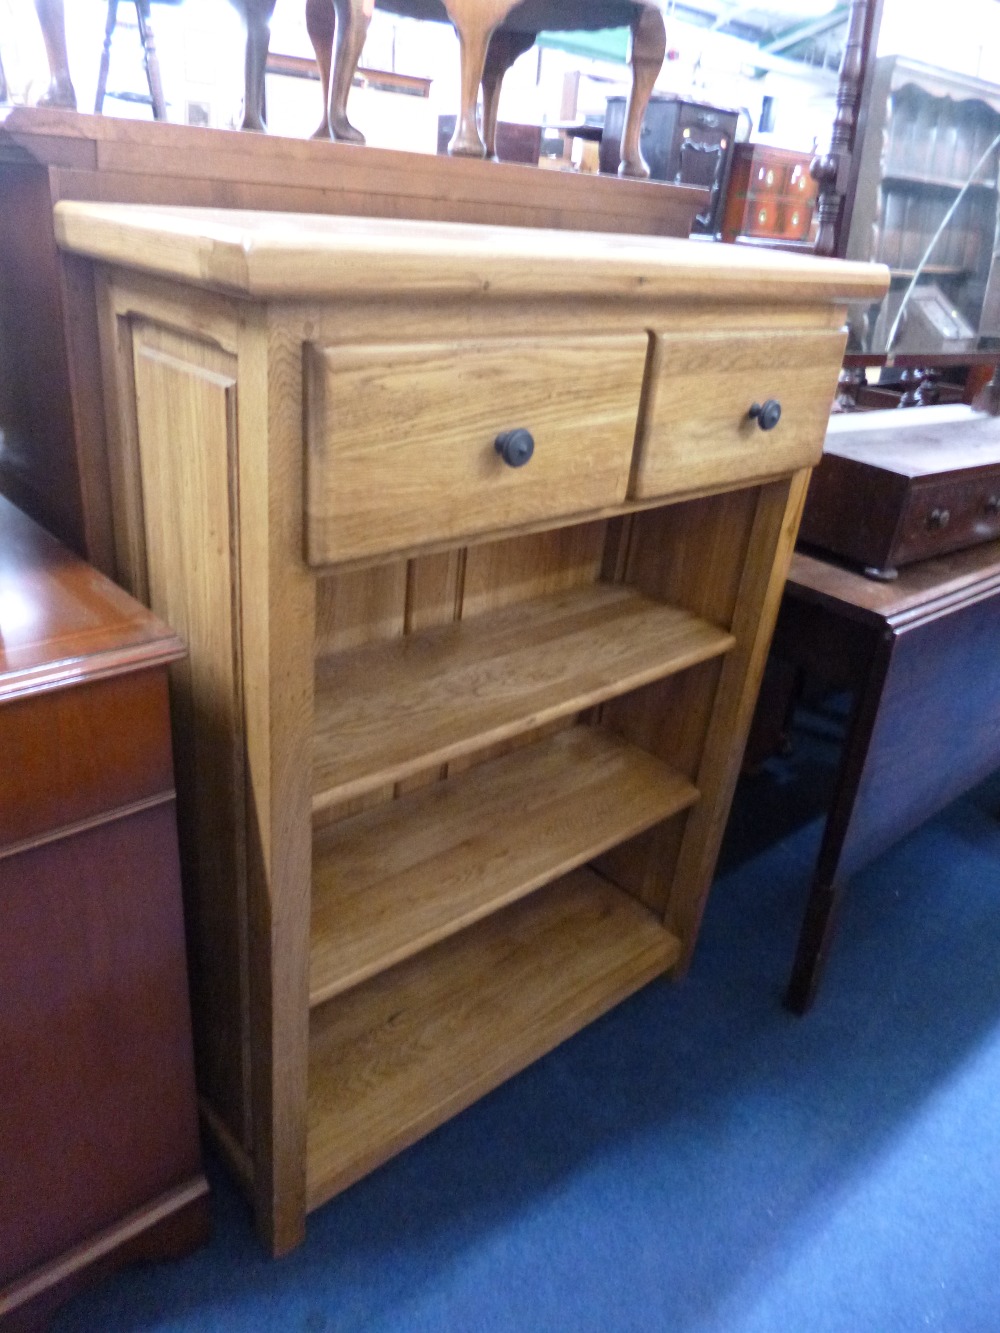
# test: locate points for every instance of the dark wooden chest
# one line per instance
(898, 486)
(684, 142)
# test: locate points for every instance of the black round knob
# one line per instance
(938, 519)
(766, 414)
(515, 447)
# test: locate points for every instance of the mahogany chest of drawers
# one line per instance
(898, 486)
(771, 194)
(99, 1151)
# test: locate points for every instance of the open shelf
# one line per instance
(392, 1059)
(920, 182)
(388, 710)
(394, 880)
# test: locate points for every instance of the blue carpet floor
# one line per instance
(698, 1161)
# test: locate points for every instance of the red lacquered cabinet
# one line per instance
(99, 1154)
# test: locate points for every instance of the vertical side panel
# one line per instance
(278, 627)
(185, 412)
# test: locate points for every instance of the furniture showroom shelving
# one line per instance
(458, 736)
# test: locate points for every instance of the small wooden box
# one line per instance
(898, 486)
(771, 194)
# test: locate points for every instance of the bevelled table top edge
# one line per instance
(927, 586)
(62, 623)
(268, 254)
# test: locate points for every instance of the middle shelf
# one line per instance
(388, 710)
(391, 881)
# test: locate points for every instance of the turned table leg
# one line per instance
(648, 48)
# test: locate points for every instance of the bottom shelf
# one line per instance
(397, 1056)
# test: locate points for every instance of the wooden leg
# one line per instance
(353, 18)
(814, 944)
(60, 91)
(257, 14)
(475, 26)
(151, 60)
(102, 73)
(648, 48)
(503, 49)
(838, 855)
(320, 26)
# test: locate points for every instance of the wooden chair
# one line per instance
(149, 58)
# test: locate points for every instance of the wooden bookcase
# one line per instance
(925, 131)
(458, 739)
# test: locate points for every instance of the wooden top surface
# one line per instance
(917, 442)
(61, 622)
(311, 255)
(107, 158)
(920, 590)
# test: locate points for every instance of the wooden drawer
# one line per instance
(400, 438)
(697, 431)
(940, 517)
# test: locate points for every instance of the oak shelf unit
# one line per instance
(459, 739)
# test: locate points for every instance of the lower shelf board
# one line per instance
(394, 880)
(394, 1058)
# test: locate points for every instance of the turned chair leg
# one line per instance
(648, 48)
(151, 60)
(102, 73)
(52, 19)
(503, 49)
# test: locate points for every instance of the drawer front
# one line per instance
(762, 216)
(947, 517)
(697, 431)
(400, 438)
(82, 753)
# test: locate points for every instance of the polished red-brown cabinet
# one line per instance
(99, 1153)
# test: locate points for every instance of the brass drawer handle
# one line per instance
(938, 519)
(766, 414)
(515, 447)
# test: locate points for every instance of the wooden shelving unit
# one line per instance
(453, 795)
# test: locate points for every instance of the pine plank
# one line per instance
(396, 1057)
(390, 882)
(389, 710)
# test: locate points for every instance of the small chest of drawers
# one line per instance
(99, 1152)
(771, 194)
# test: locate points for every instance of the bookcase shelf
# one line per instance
(393, 880)
(391, 1060)
(386, 711)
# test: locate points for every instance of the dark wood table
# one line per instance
(922, 656)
